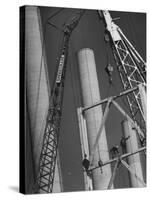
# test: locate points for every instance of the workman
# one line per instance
(143, 142)
(100, 163)
(109, 69)
(123, 143)
(86, 162)
(114, 151)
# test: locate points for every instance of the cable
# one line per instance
(76, 97)
(54, 14)
(106, 52)
(112, 83)
(69, 15)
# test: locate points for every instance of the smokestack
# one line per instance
(37, 85)
(93, 117)
(134, 160)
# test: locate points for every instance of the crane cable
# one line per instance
(76, 97)
(75, 91)
(73, 74)
(54, 14)
(99, 150)
(112, 84)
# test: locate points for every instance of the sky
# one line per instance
(88, 34)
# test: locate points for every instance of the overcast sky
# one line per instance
(88, 34)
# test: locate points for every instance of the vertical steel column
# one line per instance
(134, 160)
(84, 146)
(91, 95)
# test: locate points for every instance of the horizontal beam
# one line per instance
(106, 100)
(120, 157)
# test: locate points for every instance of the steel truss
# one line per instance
(47, 162)
(131, 68)
(48, 155)
(131, 76)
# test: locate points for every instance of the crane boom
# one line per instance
(131, 67)
(47, 162)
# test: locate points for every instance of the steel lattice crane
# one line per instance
(131, 67)
(45, 179)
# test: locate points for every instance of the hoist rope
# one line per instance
(77, 97)
(69, 16)
(54, 14)
(112, 84)
(73, 73)
(100, 153)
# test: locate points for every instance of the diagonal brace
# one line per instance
(114, 173)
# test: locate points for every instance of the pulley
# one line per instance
(109, 69)
(100, 14)
(106, 36)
